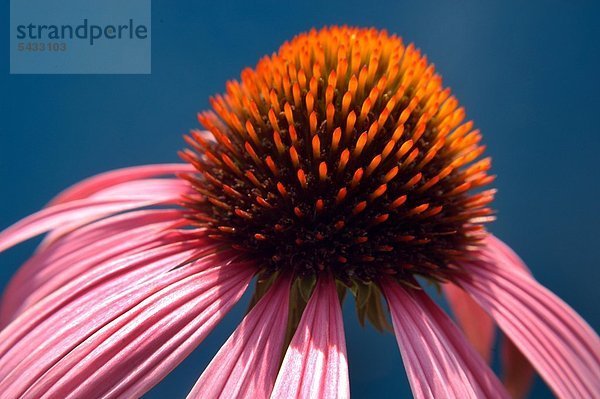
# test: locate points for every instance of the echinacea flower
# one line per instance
(338, 165)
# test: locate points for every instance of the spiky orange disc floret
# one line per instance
(343, 152)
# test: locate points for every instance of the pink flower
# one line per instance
(339, 165)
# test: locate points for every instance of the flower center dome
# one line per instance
(342, 151)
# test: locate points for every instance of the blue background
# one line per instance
(527, 73)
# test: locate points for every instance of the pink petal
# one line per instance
(99, 182)
(559, 344)
(145, 190)
(73, 303)
(476, 324)
(247, 364)
(440, 363)
(81, 250)
(315, 364)
(496, 246)
(79, 212)
(107, 341)
(123, 277)
(160, 191)
(517, 370)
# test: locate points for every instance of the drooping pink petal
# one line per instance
(81, 297)
(497, 246)
(518, 373)
(247, 364)
(87, 247)
(477, 325)
(440, 363)
(108, 341)
(559, 344)
(79, 212)
(146, 348)
(128, 230)
(160, 191)
(145, 189)
(102, 181)
(115, 278)
(315, 364)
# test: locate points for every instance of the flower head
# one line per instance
(342, 152)
(339, 164)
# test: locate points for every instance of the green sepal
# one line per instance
(369, 305)
(261, 287)
(300, 293)
(342, 290)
